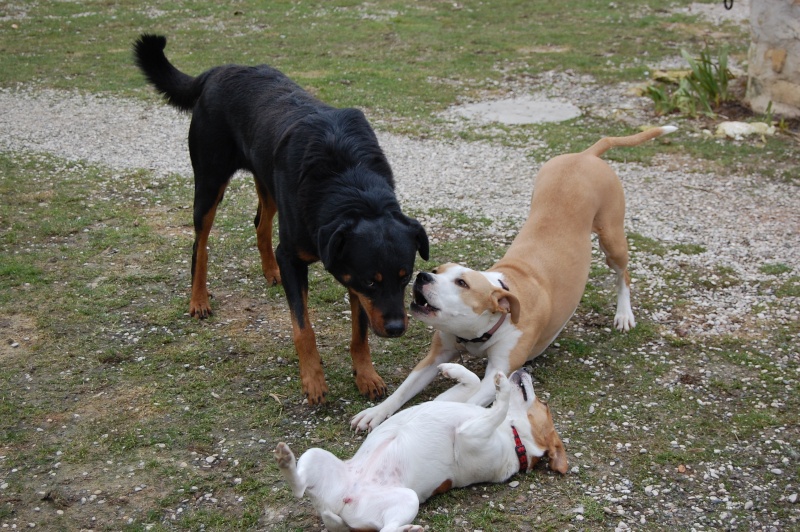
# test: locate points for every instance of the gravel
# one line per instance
(742, 221)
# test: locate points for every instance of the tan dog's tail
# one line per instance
(605, 144)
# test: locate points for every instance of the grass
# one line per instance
(120, 412)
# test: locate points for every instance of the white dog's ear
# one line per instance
(505, 301)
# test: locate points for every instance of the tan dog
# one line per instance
(538, 283)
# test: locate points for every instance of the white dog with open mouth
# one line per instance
(425, 450)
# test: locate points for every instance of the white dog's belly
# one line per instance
(413, 449)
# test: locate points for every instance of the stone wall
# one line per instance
(774, 57)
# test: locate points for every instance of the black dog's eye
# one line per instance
(405, 280)
(370, 284)
(462, 283)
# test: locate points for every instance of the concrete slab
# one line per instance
(516, 111)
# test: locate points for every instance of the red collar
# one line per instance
(522, 454)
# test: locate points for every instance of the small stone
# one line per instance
(211, 459)
(748, 505)
(513, 484)
(793, 498)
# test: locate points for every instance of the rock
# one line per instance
(739, 130)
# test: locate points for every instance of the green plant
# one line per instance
(709, 80)
(663, 102)
(702, 91)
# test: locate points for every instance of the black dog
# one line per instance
(322, 170)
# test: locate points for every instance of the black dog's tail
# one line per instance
(181, 90)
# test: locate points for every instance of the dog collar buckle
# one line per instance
(522, 453)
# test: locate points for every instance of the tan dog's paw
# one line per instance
(368, 419)
(284, 456)
(624, 321)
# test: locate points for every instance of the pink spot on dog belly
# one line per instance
(347, 500)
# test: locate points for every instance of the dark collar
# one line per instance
(522, 454)
(488, 334)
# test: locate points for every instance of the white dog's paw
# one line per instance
(284, 456)
(500, 380)
(411, 528)
(624, 321)
(456, 372)
(368, 419)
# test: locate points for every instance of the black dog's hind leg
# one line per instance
(263, 222)
(212, 172)
(294, 273)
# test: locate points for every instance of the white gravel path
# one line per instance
(743, 221)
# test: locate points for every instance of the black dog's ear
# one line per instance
(421, 237)
(330, 241)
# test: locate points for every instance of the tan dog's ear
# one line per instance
(505, 301)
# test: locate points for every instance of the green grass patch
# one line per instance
(775, 268)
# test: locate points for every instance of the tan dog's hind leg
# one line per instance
(615, 247)
(609, 225)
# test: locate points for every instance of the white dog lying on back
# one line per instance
(425, 450)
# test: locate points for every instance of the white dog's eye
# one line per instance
(462, 283)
